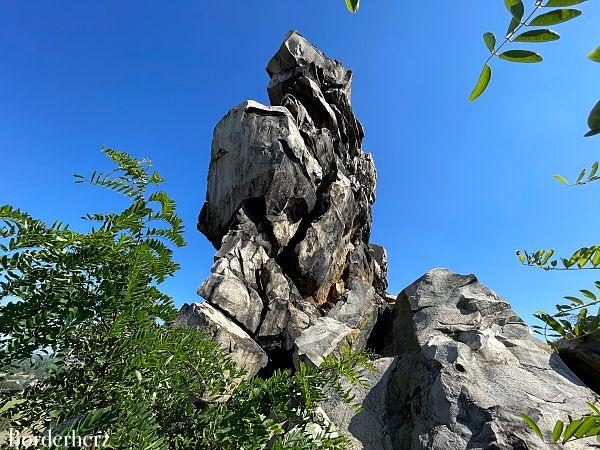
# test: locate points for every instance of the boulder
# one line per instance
(236, 298)
(246, 353)
(319, 258)
(368, 428)
(467, 367)
(380, 268)
(325, 338)
(359, 308)
(257, 153)
(286, 313)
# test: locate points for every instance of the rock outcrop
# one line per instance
(288, 206)
(295, 278)
(467, 367)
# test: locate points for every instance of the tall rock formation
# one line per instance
(288, 208)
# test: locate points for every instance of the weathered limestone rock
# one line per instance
(244, 351)
(359, 308)
(467, 367)
(320, 257)
(288, 206)
(380, 267)
(583, 358)
(257, 152)
(367, 429)
(326, 337)
(286, 314)
(235, 297)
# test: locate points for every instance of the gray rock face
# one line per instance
(466, 367)
(325, 338)
(359, 308)
(288, 206)
(244, 351)
(367, 429)
(258, 153)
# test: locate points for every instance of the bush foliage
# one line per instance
(92, 302)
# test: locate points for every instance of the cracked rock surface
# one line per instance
(288, 207)
(466, 366)
(295, 278)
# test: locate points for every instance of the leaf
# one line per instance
(588, 294)
(574, 300)
(554, 17)
(585, 427)
(552, 323)
(138, 375)
(547, 257)
(593, 171)
(576, 256)
(596, 257)
(594, 121)
(532, 425)
(561, 179)
(593, 407)
(555, 3)
(353, 5)
(581, 175)
(516, 8)
(490, 41)
(521, 56)
(595, 55)
(156, 178)
(558, 429)
(538, 36)
(482, 83)
(11, 404)
(570, 430)
(514, 23)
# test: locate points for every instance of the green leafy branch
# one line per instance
(583, 258)
(587, 426)
(538, 35)
(92, 303)
(581, 179)
(572, 320)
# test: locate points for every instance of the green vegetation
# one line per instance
(92, 301)
(552, 12)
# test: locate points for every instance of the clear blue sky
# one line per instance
(460, 185)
